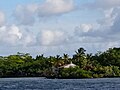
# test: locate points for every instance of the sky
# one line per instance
(53, 27)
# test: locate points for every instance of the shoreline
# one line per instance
(60, 78)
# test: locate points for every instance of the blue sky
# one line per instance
(53, 27)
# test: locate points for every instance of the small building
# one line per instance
(68, 65)
(56, 70)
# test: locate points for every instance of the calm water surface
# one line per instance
(59, 84)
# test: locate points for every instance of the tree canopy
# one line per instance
(102, 64)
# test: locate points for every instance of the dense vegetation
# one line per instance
(101, 64)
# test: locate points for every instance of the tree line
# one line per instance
(99, 65)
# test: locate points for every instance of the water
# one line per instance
(59, 84)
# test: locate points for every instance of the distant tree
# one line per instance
(110, 57)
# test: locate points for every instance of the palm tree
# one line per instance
(80, 57)
(66, 58)
(80, 52)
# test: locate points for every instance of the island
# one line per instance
(80, 65)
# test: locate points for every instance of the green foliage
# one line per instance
(110, 57)
(102, 64)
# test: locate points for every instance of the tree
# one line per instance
(66, 58)
(110, 57)
(80, 57)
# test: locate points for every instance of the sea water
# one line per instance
(59, 84)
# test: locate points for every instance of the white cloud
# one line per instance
(49, 37)
(102, 37)
(83, 28)
(14, 36)
(104, 4)
(115, 28)
(28, 39)
(107, 32)
(85, 35)
(2, 18)
(10, 35)
(110, 23)
(55, 7)
(25, 14)
(108, 18)
(109, 27)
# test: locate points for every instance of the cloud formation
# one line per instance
(99, 34)
(55, 7)
(13, 36)
(104, 4)
(25, 14)
(83, 29)
(2, 18)
(10, 35)
(50, 37)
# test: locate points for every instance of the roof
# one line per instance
(69, 65)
